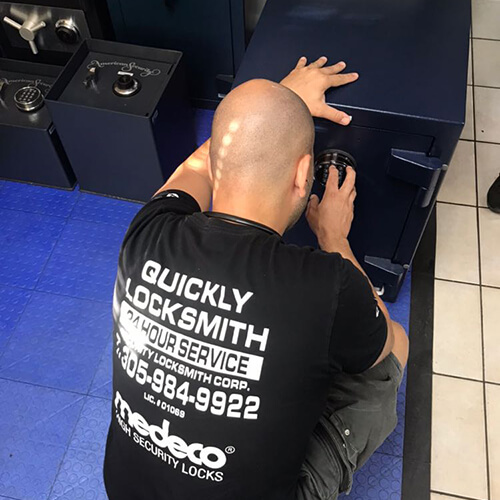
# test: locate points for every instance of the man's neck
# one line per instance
(253, 212)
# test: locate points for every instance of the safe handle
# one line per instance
(419, 169)
(27, 30)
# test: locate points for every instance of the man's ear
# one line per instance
(302, 175)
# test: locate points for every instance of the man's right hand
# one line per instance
(331, 218)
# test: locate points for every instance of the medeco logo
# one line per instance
(197, 453)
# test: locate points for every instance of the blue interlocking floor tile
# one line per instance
(27, 241)
(393, 445)
(37, 199)
(58, 342)
(400, 310)
(102, 384)
(378, 479)
(84, 261)
(203, 124)
(96, 208)
(12, 304)
(80, 475)
(35, 427)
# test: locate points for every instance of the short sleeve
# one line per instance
(359, 329)
(171, 201)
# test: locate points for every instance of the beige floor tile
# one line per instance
(456, 243)
(488, 168)
(487, 62)
(485, 16)
(489, 231)
(487, 113)
(459, 185)
(493, 422)
(458, 461)
(491, 333)
(457, 330)
(468, 131)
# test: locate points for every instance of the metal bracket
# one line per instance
(383, 270)
(419, 169)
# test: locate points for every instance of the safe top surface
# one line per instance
(412, 56)
(9, 113)
(150, 74)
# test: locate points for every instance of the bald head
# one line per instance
(260, 131)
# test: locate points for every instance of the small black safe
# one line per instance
(123, 116)
(30, 148)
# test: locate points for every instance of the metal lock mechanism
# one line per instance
(126, 85)
(67, 31)
(332, 158)
(29, 20)
(28, 99)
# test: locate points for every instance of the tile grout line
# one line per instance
(485, 415)
(477, 140)
(490, 39)
(101, 357)
(67, 447)
(467, 379)
(448, 280)
(42, 386)
(4, 348)
(453, 495)
(75, 204)
(457, 204)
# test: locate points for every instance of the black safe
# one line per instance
(49, 31)
(123, 116)
(36, 40)
(30, 148)
(408, 109)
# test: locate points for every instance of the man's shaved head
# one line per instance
(260, 132)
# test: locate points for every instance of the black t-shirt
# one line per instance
(225, 341)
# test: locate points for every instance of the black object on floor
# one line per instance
(418, 419)
(30, 147)
(408, 108)
(123, 117)
(493, 198)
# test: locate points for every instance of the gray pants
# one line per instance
(360, 414)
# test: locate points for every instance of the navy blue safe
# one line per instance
(408, 109)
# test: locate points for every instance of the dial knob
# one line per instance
(67, 31)
(332, 158)
(126, 85)
(27, 30)
(28, 99)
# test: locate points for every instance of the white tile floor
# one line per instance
(465, 460)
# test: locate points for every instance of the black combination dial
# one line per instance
(332, 158)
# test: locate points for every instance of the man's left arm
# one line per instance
(309, 82)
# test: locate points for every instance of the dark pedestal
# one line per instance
(30, 148)
(123, 146)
